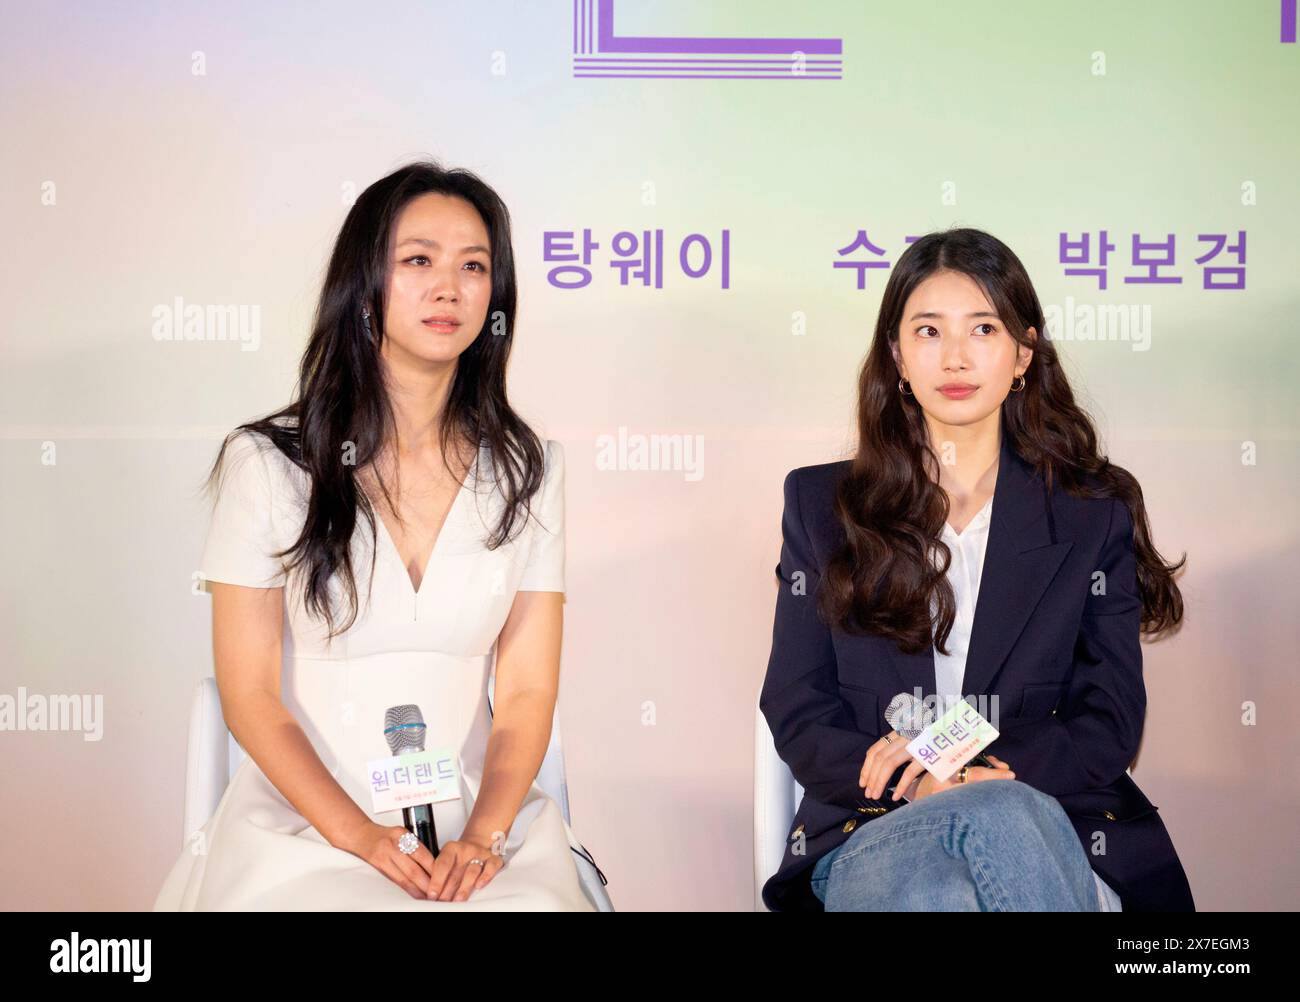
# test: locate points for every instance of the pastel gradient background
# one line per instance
(229, 187)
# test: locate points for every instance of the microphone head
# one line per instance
(908, 715)
(404, 729)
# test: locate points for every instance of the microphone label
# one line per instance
(426, 777)
(952, 740)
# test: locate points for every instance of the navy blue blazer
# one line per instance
(1073, 737)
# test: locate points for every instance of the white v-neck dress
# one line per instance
(434, 647)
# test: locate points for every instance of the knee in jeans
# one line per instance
(1030, 806)
(1012, 798)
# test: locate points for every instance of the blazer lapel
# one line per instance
(1020, 561)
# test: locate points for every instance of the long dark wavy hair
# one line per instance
(340, 401)
(890, 503)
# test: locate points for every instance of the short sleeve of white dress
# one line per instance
(545, 568)
(241, 539)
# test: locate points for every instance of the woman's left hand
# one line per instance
(455, 877)
(929, 785)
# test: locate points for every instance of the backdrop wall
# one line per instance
(165, 155)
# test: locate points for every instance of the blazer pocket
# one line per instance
(1122, 801)
(865, 706)
(1107, 815)
(1040, 700)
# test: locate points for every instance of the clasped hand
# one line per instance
(450, 877)
(884, 757)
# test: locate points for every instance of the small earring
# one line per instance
(365, 319)
(905, 392)
(1014, 387)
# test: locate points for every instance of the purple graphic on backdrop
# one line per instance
(637, 256)
(1089, 255)
(1288, 21)
(1154, 255)
(863, 241)
(599, 52)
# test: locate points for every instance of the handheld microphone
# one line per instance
(404, 730)
(909, 716)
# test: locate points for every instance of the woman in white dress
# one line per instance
(321, 623)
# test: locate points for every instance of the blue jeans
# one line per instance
(992, 846)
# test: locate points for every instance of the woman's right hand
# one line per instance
(377, 845)
(974, 774)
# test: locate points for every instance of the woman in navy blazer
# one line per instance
(1069, 580)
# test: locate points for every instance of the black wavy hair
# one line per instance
(340, 400)
(891, 506)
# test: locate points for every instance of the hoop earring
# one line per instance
(1014, 387)
(905, 392)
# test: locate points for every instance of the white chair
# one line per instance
(776, 797)
(214, 755)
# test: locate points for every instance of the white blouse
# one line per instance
(964, 575)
